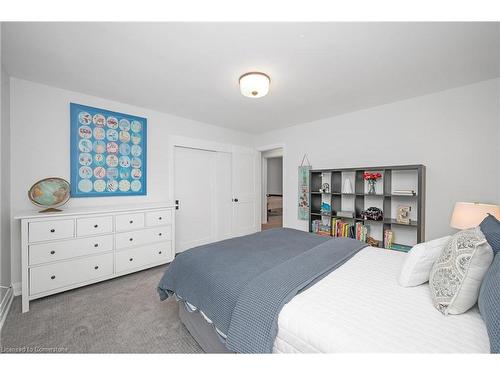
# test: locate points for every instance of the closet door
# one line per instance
(224, 194)
(246, 186)
(194, 188)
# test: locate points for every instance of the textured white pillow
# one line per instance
(419, 261)
(457, 275)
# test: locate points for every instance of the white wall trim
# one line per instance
(271, 147)
(17, 289)
(262, 149)
(263, 190)
(5, 306)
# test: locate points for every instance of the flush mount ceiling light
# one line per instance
(254, 84)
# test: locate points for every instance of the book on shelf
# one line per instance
(399, 247)
(357, 231)
(318, 227)
(404, 192)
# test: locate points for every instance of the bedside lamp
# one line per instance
(469, 215)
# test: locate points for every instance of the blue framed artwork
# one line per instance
(108, 153)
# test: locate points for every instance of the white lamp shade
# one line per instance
(469, 215)
(254, 85)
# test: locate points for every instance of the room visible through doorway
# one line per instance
(272, 188)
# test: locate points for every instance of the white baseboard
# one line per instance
(5, 306)
(17, 289)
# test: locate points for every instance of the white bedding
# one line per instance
(361, 308)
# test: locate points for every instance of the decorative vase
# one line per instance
(371, 186)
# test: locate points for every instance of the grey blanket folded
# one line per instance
(241, 284)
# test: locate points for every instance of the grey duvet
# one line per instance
(241, 284)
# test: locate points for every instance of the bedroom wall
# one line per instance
(40, 145)
(275, 175)
(455, 133)
(5, 275)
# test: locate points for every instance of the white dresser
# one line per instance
(77, 247)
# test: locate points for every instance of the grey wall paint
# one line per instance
(275, 176)
(455, 133)
(5, 248)
(30, 101)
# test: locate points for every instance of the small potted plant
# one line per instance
(371, 179)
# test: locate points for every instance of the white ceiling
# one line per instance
(191, 70)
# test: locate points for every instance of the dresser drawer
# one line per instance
(157, 218)
(143, 237)
(94, 225)
(60, 250)
(50, 230)
(142, 256)
(62, 274)
(129, 221)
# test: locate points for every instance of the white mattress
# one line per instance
(361, 308)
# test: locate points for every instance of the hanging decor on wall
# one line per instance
(304, 169)
(108, 153)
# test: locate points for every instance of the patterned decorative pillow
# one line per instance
(490, 227)
(457, 275)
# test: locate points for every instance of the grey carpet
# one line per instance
(122, 315)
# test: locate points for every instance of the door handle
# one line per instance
(176, 204)
(235, 200)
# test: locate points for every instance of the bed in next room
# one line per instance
(287, 291)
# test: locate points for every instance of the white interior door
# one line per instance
(246, 185)
(195, 189)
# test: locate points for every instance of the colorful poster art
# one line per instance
(303, 212)
(108, 153)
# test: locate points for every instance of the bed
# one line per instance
(357, 307)
(376, 314)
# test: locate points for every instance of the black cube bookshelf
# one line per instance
(400, 177)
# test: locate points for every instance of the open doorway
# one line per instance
(272, 188)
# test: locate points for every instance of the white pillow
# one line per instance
(419, 260)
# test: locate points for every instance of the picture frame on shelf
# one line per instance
(403, 214)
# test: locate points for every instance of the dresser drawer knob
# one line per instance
(130, 239)
(159, 218)
(52, 252)
(131, 222)
(96, 245)
(159, 234)
(95, 225)
(52, 231)
(159, 252)
(96, 267)
(52, 277)
(131, 259)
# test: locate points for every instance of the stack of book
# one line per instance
(362, 231)
(404, 192)
(398, 247)
(340, 228)
(357, 231)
